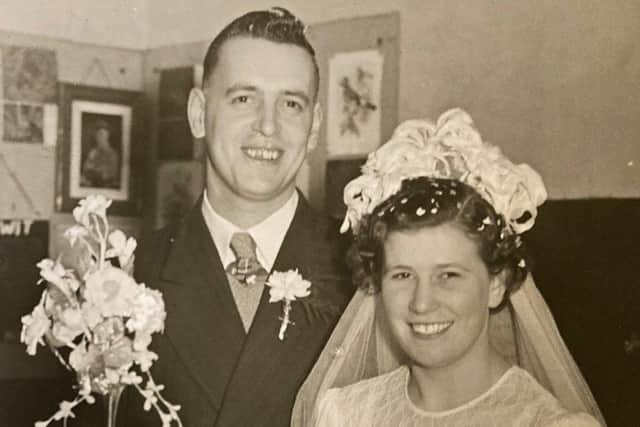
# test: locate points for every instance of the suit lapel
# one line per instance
(265, 358)
(202, 322)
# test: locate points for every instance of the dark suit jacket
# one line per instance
(221, 376)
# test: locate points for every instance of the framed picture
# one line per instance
(179, 185)
(358, 60)
(355, 85)
(100, 151)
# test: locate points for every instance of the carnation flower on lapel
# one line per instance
(287, 287)
(94, 312)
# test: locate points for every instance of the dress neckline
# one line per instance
(511, 371)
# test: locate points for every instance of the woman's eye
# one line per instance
(401, 275)
(448, 275)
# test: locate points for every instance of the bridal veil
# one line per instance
(524, 332)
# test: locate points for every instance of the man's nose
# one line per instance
(267, 120)
(423, 298)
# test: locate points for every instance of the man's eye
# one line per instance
(293, 105)
(241, 99)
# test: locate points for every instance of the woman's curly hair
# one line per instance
(429, 202)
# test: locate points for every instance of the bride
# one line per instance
(444, 331)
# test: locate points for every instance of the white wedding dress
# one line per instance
(516, 399)
(525, 334)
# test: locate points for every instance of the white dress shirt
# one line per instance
(267, 234)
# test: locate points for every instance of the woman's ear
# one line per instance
(196, 112)
(497, 288)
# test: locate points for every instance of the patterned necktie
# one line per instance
(246, 269)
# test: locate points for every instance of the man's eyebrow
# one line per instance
(240, 87)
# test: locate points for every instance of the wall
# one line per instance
(34, 164)
(172, 22)
(553, 84)
(116, 23)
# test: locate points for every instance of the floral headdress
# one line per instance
(451, 148)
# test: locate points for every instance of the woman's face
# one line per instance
(437, 291)
(102, 138)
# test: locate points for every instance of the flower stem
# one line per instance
(285, 319)
(101, 239)
(114, 398)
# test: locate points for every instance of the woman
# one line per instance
(101, 167)
(437, 216)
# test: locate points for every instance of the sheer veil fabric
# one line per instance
(525, 333)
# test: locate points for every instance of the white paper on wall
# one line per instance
(50, 125)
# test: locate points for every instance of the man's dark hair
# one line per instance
(277, 25)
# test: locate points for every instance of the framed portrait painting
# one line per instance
(100, 152)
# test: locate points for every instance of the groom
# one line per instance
(220, 356)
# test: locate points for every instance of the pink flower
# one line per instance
(122, 248)
(92, 205)
(34, 327)
(112, 291)
(69, 325)
(74, 233)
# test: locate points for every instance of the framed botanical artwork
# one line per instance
(358, 60)
(100, 148)
(353, 120)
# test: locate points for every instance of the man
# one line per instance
(220, 357)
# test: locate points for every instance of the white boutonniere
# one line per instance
(287, 286)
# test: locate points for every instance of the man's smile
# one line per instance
(262, 153)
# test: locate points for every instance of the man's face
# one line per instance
(260, 119)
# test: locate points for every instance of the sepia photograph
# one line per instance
(98, 147)
(104, 149)
(330, 213)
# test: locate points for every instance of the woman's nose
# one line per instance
(423, 298)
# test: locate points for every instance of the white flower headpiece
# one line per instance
(451, 148)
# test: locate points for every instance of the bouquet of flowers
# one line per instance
(96, 319)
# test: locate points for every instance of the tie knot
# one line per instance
(246, 268)
(243, 246)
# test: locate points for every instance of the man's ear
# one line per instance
(497, 288)
(196, 112)
(312, 141)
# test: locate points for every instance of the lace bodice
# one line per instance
(516, 399)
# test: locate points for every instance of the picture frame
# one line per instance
(100, 148)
